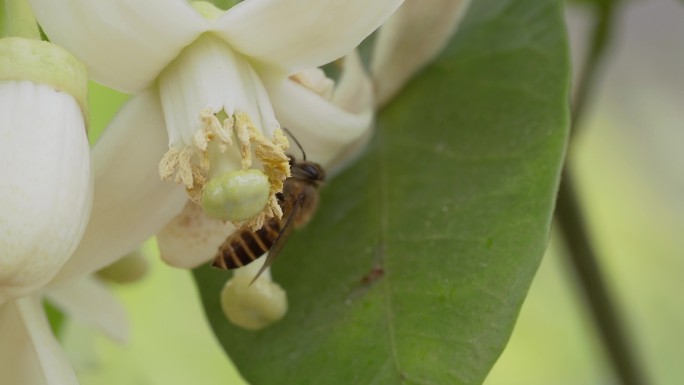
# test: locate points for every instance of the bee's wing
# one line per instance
(279, 242)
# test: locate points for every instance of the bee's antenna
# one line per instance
(296, 141)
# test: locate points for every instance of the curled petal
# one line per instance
(89, 301)
(29, 353)
(192, 238)
(300, 34)
(124, 43)
(131, 202)
(353, 92)
(411, 38)
(45, 188)
(326, 128)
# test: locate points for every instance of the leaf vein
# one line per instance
(384, 212)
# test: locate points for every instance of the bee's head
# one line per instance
(306, 170)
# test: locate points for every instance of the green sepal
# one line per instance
(44, 63)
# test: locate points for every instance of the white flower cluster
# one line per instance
(210, 90)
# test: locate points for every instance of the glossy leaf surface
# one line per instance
(415, 267)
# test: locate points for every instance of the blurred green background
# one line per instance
(628, 166)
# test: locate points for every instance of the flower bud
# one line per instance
(256, 305)
(45, 183)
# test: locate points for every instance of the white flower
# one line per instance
(45, 198)
(190, 73)
(192, 238)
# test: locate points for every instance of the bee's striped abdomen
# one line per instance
(245, 246)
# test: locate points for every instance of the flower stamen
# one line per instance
(244, 129)
(179, 162)
(190, 164)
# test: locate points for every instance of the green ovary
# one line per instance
(236, 196)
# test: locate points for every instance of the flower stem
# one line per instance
(583, 258)
(572, 224)
(17, 20)
(601, 37)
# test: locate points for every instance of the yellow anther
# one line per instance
(190, 166)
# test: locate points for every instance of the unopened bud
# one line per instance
(253, 306)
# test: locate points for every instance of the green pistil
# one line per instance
(236, 196)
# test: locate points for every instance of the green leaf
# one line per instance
(55, 317)
(224, 4)
(453, 200)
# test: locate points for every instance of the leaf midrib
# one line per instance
(382, 166)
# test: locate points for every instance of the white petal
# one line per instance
(210, 75)
(300, 34)
(192, 238)
(29, 352)
(411, 38)
(46, 186)
(131, 202)
(316, 80)
(353, 93)
(325, 129)
(354, 89)
(89, 301)
(124, 43)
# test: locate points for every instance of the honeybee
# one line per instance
(298, 200)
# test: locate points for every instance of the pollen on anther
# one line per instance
(190, 166)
